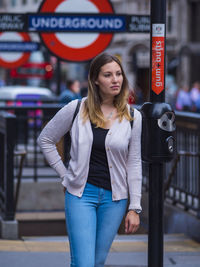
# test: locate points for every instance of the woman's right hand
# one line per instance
(132, 222)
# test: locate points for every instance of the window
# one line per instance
(169, 5)
(169, 16)
(147, 6)
(1, 3)
(169, 24)
(194, 22)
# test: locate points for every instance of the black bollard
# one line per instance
(158, 139)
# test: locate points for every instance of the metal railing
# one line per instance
(182, 175)
(7, 143)
(183, 183)
(30, 121)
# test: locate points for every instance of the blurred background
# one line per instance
(34, 91)
(182, 61)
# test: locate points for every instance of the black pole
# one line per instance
(155, 236)
(158, 17)
(157, 94)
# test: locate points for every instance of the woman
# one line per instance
(105, 164)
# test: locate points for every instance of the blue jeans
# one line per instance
(92, 222)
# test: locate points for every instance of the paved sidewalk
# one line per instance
(126, 251)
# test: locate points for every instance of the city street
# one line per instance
(126, 251)
(117, 57)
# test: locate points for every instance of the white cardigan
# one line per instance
(123, 149)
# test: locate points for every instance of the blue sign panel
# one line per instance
(76, 23)
(71, 22)
(18, 46)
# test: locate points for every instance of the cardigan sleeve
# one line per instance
(55, 129)
(134, 163)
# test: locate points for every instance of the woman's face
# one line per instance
(110, 80)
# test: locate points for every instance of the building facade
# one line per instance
(134, 48)
(182, 45)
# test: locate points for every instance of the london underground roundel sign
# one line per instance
(14, 59)
(76, 46)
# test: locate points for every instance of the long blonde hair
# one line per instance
(92, 107)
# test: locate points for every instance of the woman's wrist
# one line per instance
(138, 211)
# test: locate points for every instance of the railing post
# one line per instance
(8, 225)
(10, 144)
(8, 131)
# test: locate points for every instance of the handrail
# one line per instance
(22, 155)
(174, 166)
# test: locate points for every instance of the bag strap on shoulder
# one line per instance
(132, 115)
(68, 137)
(76, 110)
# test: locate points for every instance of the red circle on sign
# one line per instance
(76, 54)
(24, 57)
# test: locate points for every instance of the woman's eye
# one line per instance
(107, 75)
(119, 74)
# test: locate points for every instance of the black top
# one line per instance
(99, 174)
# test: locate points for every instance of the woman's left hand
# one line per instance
(132, 222)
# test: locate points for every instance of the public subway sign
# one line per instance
(76, 23)
(13, 22)
(18, 46)
(68, 22)
(158, 62)
(75, 30)
(15, 49)
(79, 45)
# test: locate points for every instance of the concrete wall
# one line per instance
(45, 195)
(48, 196)
(176, 220)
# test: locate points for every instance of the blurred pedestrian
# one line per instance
(195, 91)
(195, 96)
(183, 101)
(72, 92)
(105, 166)
(2, 82)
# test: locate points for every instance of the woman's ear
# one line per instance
(96, 82)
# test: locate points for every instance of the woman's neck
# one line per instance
(107, 102)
